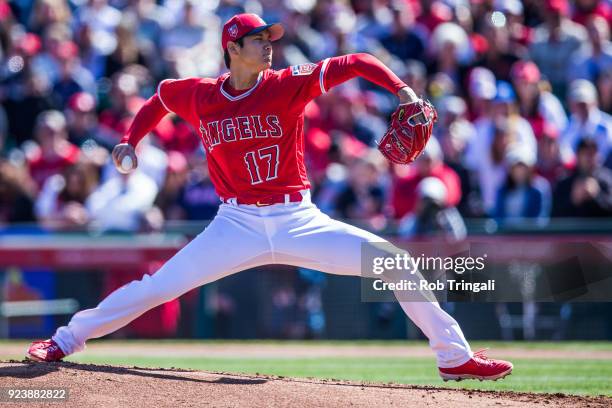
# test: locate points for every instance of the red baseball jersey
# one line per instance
(254, 139)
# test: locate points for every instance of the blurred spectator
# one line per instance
(416, 76)
(72, 78)
(24, 93)
(555, 41)
(481, 90)
(326, 191)
(429, 164)
(497, 134)
(193, 42)
(604, 86)
(300, 36)
(188, 33)
(433, 13)
(46, 62)
(590, 62)
(524, 195)
(127, 51)
(121, 203)
(540, 107)
(441, 85)
(500, 53)
(17, 193)
(3, 132)
(91, 58)
(61, 202)
(102, 19)
(432, 215)
(81, 118)
(585, 9)
(363, 197)
(124, 102)
(451, 109)
(198, 199)
(549, 163)
(174, 182)
(587, 121)
(514, 13)
(317, 143)
(454, 134)
(54, 153)
(451, 51)
(402, 41)
(46, 12)
(587, 191)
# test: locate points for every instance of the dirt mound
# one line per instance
(110, 386)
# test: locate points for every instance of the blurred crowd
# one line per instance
(523, 90)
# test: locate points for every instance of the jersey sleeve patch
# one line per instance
(303, 69)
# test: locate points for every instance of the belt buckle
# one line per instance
(259, 204)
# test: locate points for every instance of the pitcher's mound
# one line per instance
(110, 386)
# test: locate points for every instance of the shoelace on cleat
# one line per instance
(482, 355)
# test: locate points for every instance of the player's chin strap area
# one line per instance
(285, 199)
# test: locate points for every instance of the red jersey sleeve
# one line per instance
(341, 69)
(145, 121)
(179, 96)
(173, 95)
(312, 80)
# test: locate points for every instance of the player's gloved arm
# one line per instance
(366, 66)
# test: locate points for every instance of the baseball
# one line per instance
(127, 164)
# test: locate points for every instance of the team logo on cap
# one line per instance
(233, 31)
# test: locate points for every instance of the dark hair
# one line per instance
(226, 55)
(586, 143)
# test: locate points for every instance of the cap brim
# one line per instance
(276, 31)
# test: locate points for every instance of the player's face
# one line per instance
(257, 51)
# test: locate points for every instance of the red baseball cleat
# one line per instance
(45, 350)
(478, 367)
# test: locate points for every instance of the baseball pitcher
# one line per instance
(251, 122)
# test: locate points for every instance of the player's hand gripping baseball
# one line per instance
(124, 157)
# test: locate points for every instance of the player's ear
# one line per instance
(233, 48)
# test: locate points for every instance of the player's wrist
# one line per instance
(125, 141)
(407, 95)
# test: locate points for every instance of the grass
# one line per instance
(569, 375)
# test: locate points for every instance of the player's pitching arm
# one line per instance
(124, 154)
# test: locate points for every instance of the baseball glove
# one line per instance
(409, 131)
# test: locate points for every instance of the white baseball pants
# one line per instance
(246, 236)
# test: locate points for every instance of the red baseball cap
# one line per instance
(29, 44)
(248, 24)
(82, 102)
(558, 6)
(525, 70)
